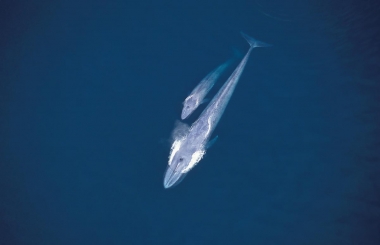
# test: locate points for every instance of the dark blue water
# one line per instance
(90, 92)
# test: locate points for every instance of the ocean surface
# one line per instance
(90, 92)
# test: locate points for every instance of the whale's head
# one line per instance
(189, 105)
(181, 160)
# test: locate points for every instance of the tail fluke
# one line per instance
(253, 42)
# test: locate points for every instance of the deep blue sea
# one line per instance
(90, 92)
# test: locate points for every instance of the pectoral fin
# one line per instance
(211, 142)
(205, 100)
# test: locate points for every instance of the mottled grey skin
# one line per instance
(198, 94)
(188, 151)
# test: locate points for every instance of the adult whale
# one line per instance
(189, 149)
